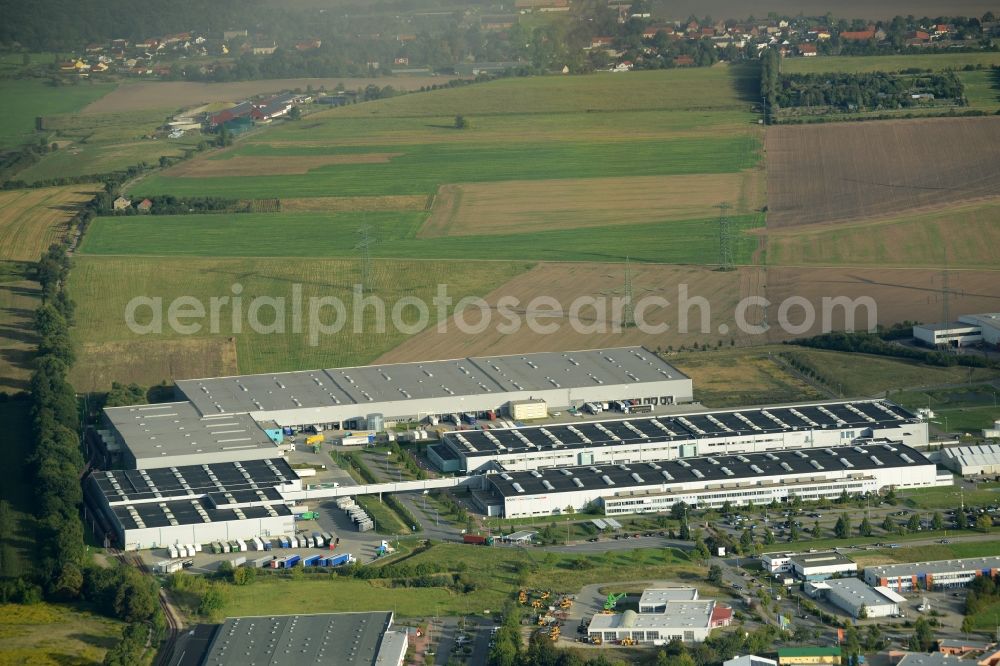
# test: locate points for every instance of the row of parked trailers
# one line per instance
(359, 516)
(314, 540)
(291, 561)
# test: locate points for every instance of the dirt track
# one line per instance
(854, 171)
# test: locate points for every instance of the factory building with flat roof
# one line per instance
(708, 480)
(666, 437)
(822, 565)
(175, 434)
(417, 390)
(345, 639)
(195, 504)
(937, 575)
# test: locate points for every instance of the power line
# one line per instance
(726, 261)
(365, 245)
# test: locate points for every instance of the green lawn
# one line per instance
(312, 235)
(889, 63)
(103, 286)
(948, 497)
(966, 408)
(17, 545)
(982, 89)
(26, 99)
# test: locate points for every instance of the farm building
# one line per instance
(192, 504)
(418, 390)
(175, 433)
(346, 639)
(683, 435)
(686, 620)
(940, 574)
(983, 459)
(633, 486)
(856, 598)
(820, 566)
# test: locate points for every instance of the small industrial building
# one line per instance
(655, 600)
(175, 434)
(953, 334)
(820, 566)
(345, 639)
(194, 504)
(777, 563)
(628, 486)
(960, 648)
(981, 460)
(988, 323)
(807, 656)
(686, 620)
(685, 435)
(937, 575)
(853, 594)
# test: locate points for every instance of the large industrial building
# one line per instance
(708, 480)
(856, 597)
(345, 639)
(940, 574)
(416, 390)
(196, 504)
(688, 620)
(697, 433)
(969, 329)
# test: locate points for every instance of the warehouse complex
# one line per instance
(708, 480)
(345, 639)
(195, 504)
(941, 574)
(707, 432)
(684, 619)
(342, 396)
(857, 598)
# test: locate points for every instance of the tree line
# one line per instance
(870, 343)
(864, 91)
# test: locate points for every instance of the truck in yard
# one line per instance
(312, 440)
(477, 539)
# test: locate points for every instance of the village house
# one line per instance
(121, 203)
(807, 50)
(144, 206)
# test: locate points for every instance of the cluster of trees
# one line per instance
(984, 591)
(56, 459)
(863, 91)
(167, 204)
(125, 593)
(870, 343)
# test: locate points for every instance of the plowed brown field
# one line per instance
(898, 294)
(854, 171)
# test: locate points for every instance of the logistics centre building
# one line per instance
(683, 435)
(416, 390)
(708, 481)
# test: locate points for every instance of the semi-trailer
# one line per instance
(235, 546)
(291, 561)
(261, 562)
(238, 562)
(267, 544)
(338, 560)
(478, 539)
(278, 563)
(285, 541)
(310, 542)
(172, 552)
(225, 546)
(318, 538)
(312, 561)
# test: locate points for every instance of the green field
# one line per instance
(866, 375)
(964, 408)
(26, 99)
(494, 570)
(982, 89)
(948, 497)
(102, 286)
(46, 634)
(888, 63)
(313, 235)
(16, 490)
